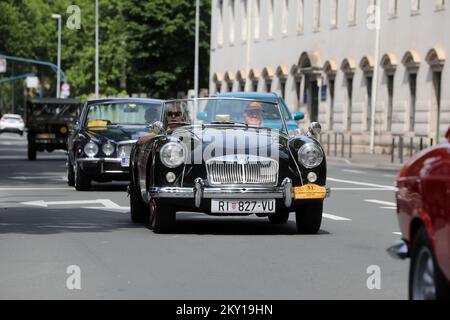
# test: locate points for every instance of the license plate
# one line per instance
(243, 206)
(310, 191)
(45, 136)
(125, 162)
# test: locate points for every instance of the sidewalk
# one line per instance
(370, 161)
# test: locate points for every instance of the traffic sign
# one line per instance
(2, 65)
(32, 82)
(65, 90)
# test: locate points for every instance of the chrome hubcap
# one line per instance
(424, 286)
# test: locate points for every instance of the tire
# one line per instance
(82, 181)
(139, 210)
(31, 148)
(279, 218)
(423, 262)
(162, 217)
(308, 217)
(70, 173)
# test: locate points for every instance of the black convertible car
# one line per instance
(222, 156)
(100, 144)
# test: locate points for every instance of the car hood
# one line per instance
(119, 133)
(216, 141)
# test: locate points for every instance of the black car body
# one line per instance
(99, 146)
(48, 122)
(258, 172)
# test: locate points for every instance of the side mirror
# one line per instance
(202, 116)
(298, 116)
(315, 129)
(76, 125)
(157, 127)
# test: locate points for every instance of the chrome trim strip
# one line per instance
(118, 160)
(220, 193)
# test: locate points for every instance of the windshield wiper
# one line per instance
(229, 122)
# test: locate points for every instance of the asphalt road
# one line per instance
(46, 227)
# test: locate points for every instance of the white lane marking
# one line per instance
(38, 178)
(114, 209)
(397, 233)
(386, 203)
(389, 176)
(359, 189)
(354, 171)
(335, 218)
(55, 157)
(34, 189)
(363, 184)
(41, 203)
(388, 208)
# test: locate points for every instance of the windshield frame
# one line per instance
(284, 128)
(89, 104)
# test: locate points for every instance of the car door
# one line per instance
(435, 179)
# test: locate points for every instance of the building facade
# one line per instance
(334, 60)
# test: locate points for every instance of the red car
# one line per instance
(423, 207)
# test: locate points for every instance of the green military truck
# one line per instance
(48, 121)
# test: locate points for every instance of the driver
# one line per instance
(174, 116)
(253, 114)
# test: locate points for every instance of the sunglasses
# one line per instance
(174, 114)
(253, 114)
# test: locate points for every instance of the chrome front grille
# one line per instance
(232, 170)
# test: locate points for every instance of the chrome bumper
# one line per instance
(102, 161)
(398, 250)
(199, 192)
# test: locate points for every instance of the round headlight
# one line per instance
(91, 149)
(310, 155)
(108, 148)
(172, 155)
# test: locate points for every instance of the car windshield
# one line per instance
(51, 109)
(123, 113)
(217, 111)
(18, 118)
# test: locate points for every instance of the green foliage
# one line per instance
(145, 46)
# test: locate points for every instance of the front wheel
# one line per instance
(138, 208)
(82, 181)
(162, 217)
(31, 148)
(70, 174)
(426, 280)
(308, 217)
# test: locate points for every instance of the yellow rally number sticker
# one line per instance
(310, 191)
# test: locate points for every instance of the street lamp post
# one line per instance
(58, 75)
(197, 37)
(97, 89)
(375, 75)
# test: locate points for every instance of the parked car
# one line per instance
(48, 123)
(423, 206)
(12, 123)
(219, 157)
(100, 144)
(291, 119)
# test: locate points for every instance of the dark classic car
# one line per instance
(221, 157)
(423, 206)
(100, 144)
(48, 121)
